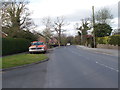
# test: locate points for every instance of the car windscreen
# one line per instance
(37, 43)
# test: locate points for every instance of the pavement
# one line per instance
(113, 52)
(68, 67)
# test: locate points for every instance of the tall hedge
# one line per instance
(14, 45)
(103, 40)
(112, 40)
(115, 40)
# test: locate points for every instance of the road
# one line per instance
(68, 67)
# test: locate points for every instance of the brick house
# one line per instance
(47, 39)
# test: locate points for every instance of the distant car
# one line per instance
(37, 46)
(68, 44)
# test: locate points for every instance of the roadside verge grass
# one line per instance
(21, 59)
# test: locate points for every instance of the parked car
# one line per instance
(37, 46)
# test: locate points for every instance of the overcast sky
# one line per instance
(72, 10)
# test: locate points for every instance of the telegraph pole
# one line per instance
(93, 27)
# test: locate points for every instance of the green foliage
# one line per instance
(103, 40)
(84, 27)
(102, 30)
(21, 34)
(112, 40)
(16, 45)
(115, 40)
(27, 35)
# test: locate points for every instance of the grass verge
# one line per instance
(21, 59)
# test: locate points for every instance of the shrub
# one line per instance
(115, 40)
(103, 40)
(112, 40)
(14, 45)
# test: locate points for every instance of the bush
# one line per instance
(115, 40)
(103, 40)
(112, 40)
(13, 45)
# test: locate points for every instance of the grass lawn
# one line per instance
(21, 59)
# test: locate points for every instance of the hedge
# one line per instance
(115, 40)
(103, 40)
(112, 40)
(14, 45)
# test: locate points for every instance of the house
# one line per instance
(53, 40)
(43, 38)
(47, 40)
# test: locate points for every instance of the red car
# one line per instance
(38, 46)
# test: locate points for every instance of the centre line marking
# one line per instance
(107, 67)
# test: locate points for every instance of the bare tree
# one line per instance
(58, 24)
(103, 15)
(48, 25)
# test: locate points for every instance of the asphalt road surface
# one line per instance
(68, 67)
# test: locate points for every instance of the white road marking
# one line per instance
(107, 67)
(97, 62)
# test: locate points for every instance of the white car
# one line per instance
(68, 44)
